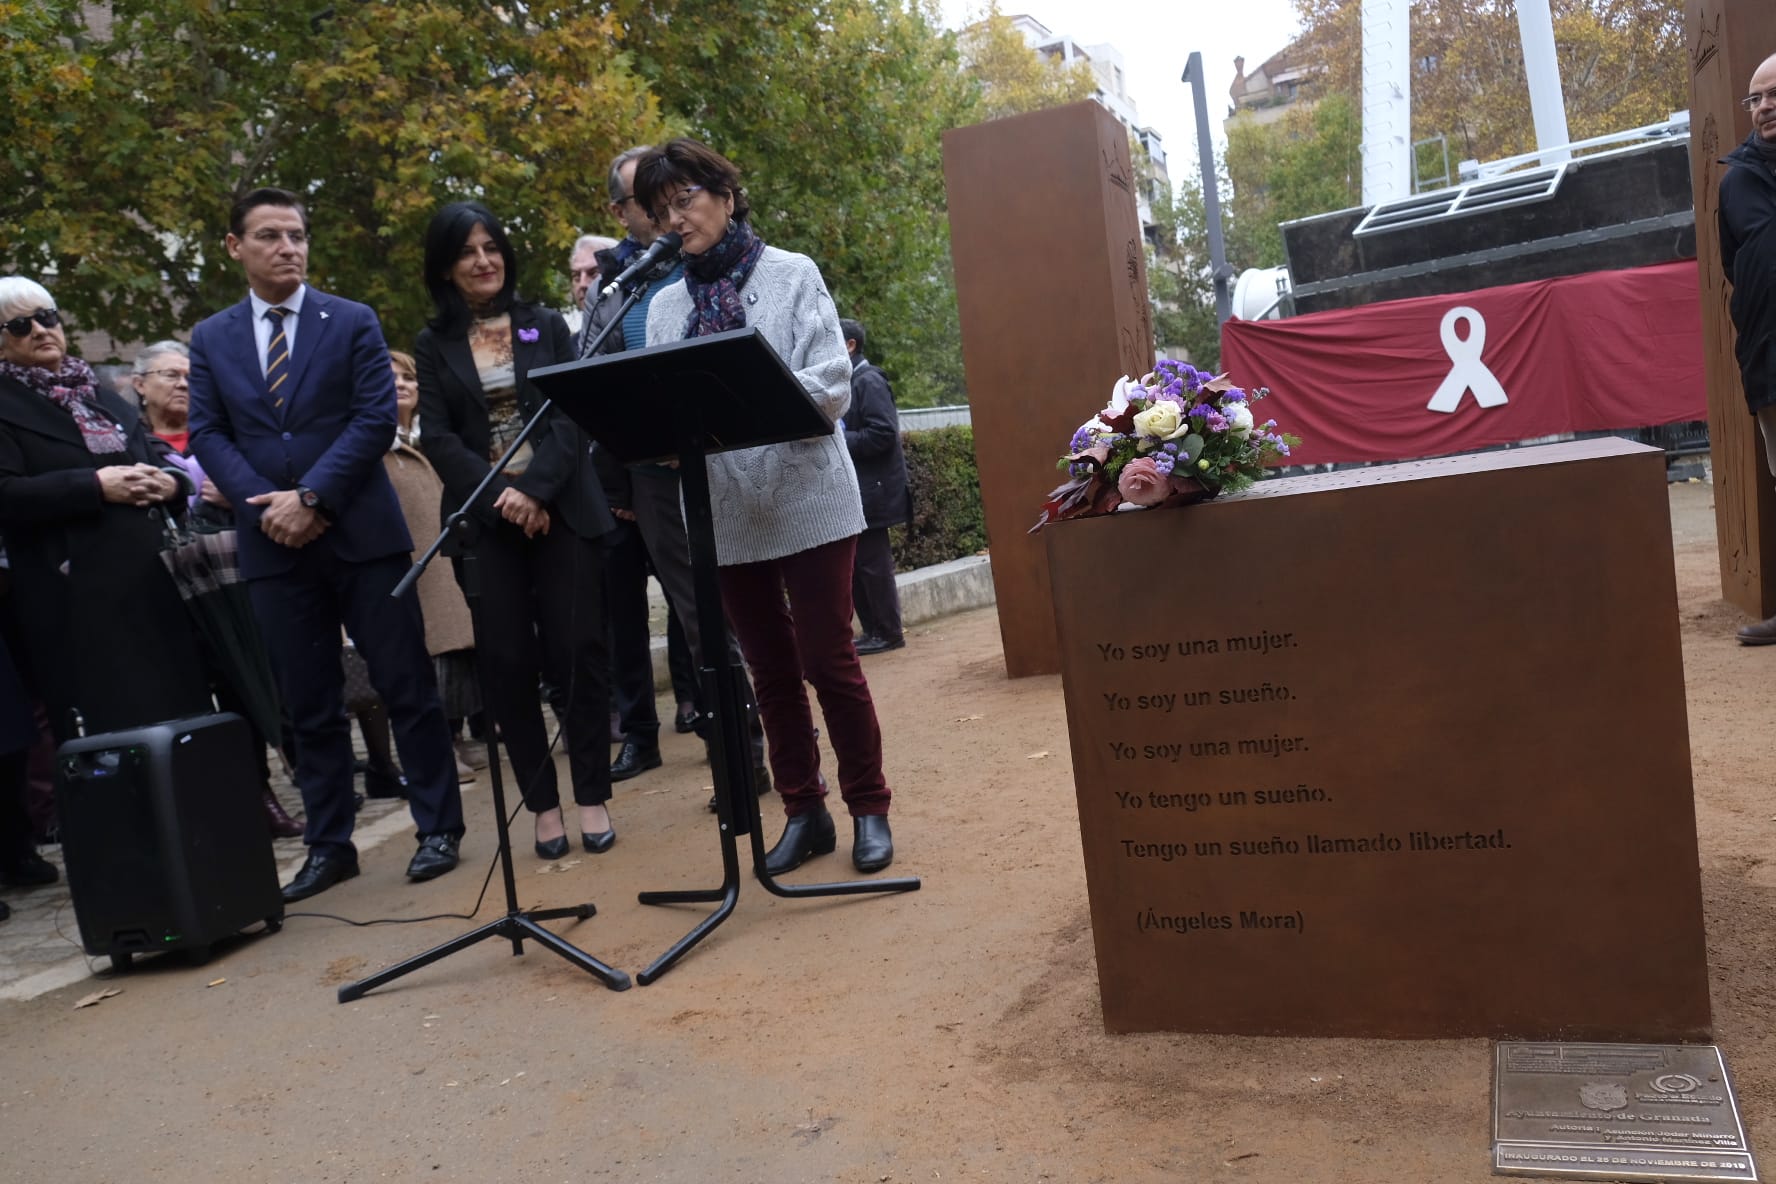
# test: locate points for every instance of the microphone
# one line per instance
(663, 250)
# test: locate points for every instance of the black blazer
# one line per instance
(455, 434)
(872, 433)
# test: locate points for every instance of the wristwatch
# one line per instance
(312, 501)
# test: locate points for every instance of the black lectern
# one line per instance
(689, 399)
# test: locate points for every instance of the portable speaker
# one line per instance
(164, 840)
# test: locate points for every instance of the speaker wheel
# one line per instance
(120, 961)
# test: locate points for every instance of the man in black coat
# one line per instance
(872, 433)
(1748, 255)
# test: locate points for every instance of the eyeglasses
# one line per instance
(681, 201)
(49, 318)
(623, 200)
(297, 238)
(1753, 101)
(169, 374)
(590, 273)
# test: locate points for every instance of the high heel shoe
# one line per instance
(598, 843)
(553, 848)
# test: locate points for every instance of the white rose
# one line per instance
(1239, 419)
(1164, 419)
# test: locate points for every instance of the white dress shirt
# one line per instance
(262, 326)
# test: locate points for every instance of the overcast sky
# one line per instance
(1156, 38)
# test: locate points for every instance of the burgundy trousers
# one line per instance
(792, 617)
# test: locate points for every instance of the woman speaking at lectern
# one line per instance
(787, 516)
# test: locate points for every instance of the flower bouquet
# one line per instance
(1177, 436)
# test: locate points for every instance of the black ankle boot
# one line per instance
(804, 836)
(872, 843)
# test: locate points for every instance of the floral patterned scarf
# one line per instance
(74, 388)
(716, 277)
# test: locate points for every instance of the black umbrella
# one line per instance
(205, 566)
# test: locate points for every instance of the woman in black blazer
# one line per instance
(540, 558)
(83, 488)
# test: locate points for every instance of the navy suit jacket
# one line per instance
(329, 433)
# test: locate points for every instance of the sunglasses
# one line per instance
(49, 318)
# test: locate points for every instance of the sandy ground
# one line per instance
(947, 1034)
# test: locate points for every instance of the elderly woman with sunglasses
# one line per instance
(787, 516)
(83, 488)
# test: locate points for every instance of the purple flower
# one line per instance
(528, 334)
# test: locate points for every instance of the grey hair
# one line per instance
(623, 158)
(590, 242)
(20, 296)
(149, 353)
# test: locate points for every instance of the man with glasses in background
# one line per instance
(1747, 218)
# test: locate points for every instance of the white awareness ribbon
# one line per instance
(1468, 372)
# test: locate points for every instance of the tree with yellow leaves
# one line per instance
(1013, 78)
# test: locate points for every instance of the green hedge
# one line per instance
(947, 519)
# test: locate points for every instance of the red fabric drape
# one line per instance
(1607, 350)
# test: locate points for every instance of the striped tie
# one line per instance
(277, 355)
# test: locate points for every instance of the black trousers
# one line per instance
(542, 616)
(678, 662)
(632, 661)
(661, 519)
(872, 586)
(300, 615)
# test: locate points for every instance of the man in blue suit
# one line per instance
(292, 408)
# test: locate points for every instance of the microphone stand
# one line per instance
(517, 924)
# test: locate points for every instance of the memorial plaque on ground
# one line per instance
(1619, 1111)
(1398, 751)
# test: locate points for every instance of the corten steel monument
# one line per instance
(1051, 285)
(1727, 41)
(1397, 752)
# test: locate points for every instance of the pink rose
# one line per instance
(1142, 483)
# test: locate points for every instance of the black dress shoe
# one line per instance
(634, 760)
(320, 871)
(555, 848)
(5, 910)
(28, 871)
(872, 843)
(879, 645)
(804, 836)
(599, 843)
(436, 855)
(379, 783)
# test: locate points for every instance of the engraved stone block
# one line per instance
(1397, 751)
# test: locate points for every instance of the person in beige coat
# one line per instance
(450, 637)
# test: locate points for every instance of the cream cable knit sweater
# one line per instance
(774, 501)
